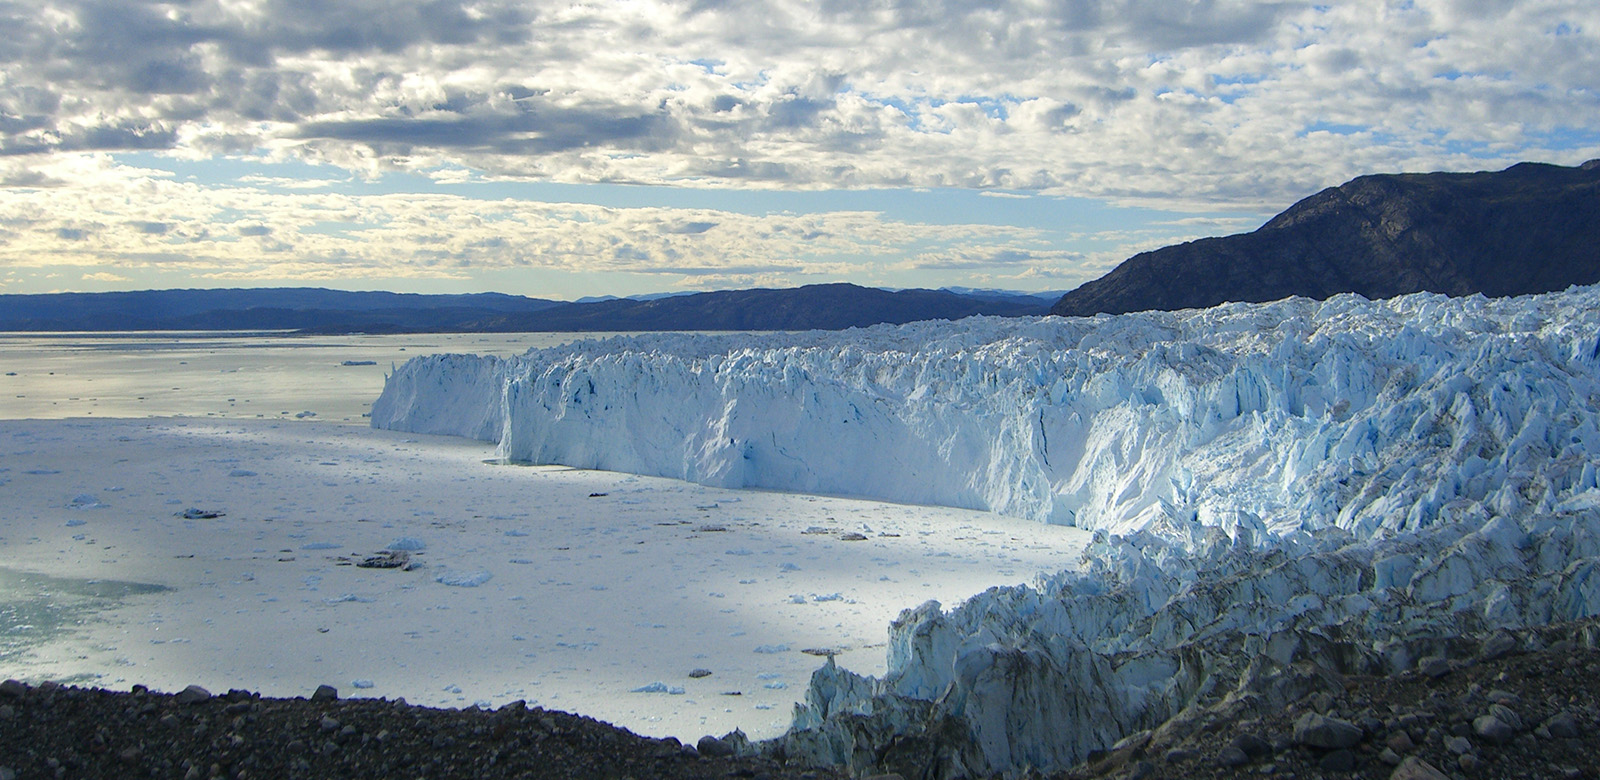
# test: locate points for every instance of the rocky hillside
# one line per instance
(1528, 229)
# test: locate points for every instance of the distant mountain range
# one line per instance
(1528, 229)
(823, 306)
(1531, 228)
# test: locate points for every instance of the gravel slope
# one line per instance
(52, 730)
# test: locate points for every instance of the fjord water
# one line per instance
(218, 374)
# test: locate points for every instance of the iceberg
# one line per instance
(1281, 493)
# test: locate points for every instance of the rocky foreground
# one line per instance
(1511, 705)
(59, 731)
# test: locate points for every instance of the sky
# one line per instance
(567, 149)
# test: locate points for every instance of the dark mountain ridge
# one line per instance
(1528, 229)
(822, 306)
(812, 307)
(269, 308)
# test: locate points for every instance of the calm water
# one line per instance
(36, 608)
(160, 374)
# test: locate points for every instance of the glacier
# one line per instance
(1335, 485)
(1279, 419)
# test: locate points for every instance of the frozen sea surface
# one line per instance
(584, 585)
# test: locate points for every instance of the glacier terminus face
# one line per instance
(1280, 419)
(1403, 469)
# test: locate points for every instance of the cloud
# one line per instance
(104, 276)
(119, 217)
(1154, 102)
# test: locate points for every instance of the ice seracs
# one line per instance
(1278, 419)
(1301, 485)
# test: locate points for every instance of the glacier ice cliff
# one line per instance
(1283, 418)
(1281, 492)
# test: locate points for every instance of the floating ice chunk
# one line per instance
(462, 579)
(320, 546)
(797, 598)
(788, 567)
(826, 597)
(776, 686)
(772, 649)
(516, 532)
(304, 415)
(76, 521)
(659, 687)
(241, 473)
(348, 597)
(86, 501)
(361, 682)
(740, 551)
(407, 543)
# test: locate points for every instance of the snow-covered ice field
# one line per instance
(597, 583)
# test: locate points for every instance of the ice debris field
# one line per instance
(1265, 482)
(281, 555)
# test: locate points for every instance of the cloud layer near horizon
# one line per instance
(1166, 103)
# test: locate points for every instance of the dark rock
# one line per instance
(1401, 742)
(1434, 666)
(388, 559)
(325, 693)
(191, 695)
(714, 748)
(1562, 726)
(1493, 729)
(1469, 762)
(1458, 745)
(1530, 228)
(698, 673)
(1338, 761)
(1504, 697)
(1252, 745)
(1497, 646)
(1388, 756)
(13, 688)
(1321, 731)
(1506, 715)
(1179, 755)
(1232, 756)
